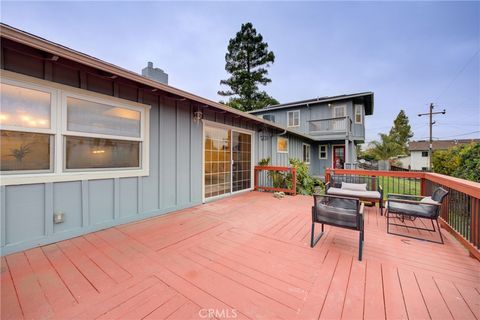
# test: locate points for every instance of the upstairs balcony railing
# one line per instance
(460, 213)
(333, 126)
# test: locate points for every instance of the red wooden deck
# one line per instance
(242, 257)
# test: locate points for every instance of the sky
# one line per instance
(409, 54)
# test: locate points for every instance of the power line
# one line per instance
(459, 135)
(457, 75)
(457, 125)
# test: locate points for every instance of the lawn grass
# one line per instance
(399, 185)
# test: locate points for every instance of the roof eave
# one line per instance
(37, 42)
(369, 111)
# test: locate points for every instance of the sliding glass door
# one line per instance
(217, 161)
(242, 162)
(227, 161)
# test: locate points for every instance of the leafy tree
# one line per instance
(392, 144)
(461, 161)
(247, 60)
(469, 167)
(386, 148)
(445, 161)
(401, 131)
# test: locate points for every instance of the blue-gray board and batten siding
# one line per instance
(174, 183)
(175, 157)
(89, 205)
(318, 111)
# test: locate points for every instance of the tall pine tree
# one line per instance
(401, 131)
(247, 60)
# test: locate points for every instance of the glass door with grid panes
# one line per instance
(242, 161)
(227, 161)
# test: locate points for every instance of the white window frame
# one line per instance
(358, 111)
(344, 107)
(288, 145)
(306, 145)
(50, 131)
(320, 151)
(293, 112)
(53, 106)
(58, 128)
(66, 132)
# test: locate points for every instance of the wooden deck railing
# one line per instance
(274, 178)
(461, 210)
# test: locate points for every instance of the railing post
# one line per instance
(294, 181)
(423, 186)
(255, 178)
(475, 217)
(327, 175)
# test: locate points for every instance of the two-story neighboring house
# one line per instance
(335, 125)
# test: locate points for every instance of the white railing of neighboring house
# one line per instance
(330, 126)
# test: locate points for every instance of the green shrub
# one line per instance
(279, 179)
(264, 162)
(462, 161)
(305, 182)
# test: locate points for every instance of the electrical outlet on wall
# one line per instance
(58, 217)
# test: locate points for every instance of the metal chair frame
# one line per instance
(360, 224)
(413, 200)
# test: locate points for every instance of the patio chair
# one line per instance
(401, 206)
(340, 212)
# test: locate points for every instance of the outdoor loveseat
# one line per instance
(360, 187)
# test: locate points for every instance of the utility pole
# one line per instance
(430, 114)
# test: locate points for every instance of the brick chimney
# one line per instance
(156, 74)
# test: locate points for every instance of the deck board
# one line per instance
(248, 256)
(10, 306)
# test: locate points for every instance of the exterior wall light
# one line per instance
(197, 116)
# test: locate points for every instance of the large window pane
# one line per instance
(22, 151)
(93, 117)
(217, 161)
(242, 167)
(23, 107)
(91, 153)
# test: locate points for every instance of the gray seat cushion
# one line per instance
(420, 210)
(336, 216)
(354, 193)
